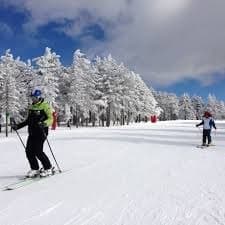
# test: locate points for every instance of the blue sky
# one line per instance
(175, 45)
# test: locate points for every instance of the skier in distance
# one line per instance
(208, 123)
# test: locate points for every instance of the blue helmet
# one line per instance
(36, 93)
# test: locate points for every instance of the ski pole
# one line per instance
(199, 133)
(13, 122)
(215, 134)
(51, 151)
(20, 139)
(53, 155)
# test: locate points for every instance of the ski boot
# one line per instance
(33, 173)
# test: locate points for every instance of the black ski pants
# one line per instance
(206, 135)
(34, 152)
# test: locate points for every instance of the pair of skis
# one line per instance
(25, 181)
(205, 146)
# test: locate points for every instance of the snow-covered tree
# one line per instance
(173, 107)
(186, 110)
(9, 87)
(62, 99)
(168, 102)
(146, 103)
(198, 105)
(82, 87)
(109, 85)
(212, 105)
(221, 110)
(48, 69)
(123, 92)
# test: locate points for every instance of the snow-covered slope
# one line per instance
(142, 174)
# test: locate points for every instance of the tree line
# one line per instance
(188, 107)
(100, 92)
(93, 92)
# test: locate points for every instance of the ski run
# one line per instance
(141, 174)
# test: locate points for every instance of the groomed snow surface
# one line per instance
(141, 174)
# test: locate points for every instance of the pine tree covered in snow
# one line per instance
(147, 105)
(48, 68)
(168, 102)
(124, 93)
(112, 85)
(10, 103)
(198, 106)
(213, 106)
(10, 85)
(186, 109)
(82, 88)
(221, 110)
(62, 100)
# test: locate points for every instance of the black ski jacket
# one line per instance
(39, 118)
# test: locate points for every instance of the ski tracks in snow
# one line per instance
(41, 214)
(86, 217)
(168, 209)
(148, 207)
(38, 215)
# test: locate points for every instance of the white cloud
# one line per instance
(168, 7)
(163, 40)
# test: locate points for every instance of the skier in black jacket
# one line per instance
(39, 118)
